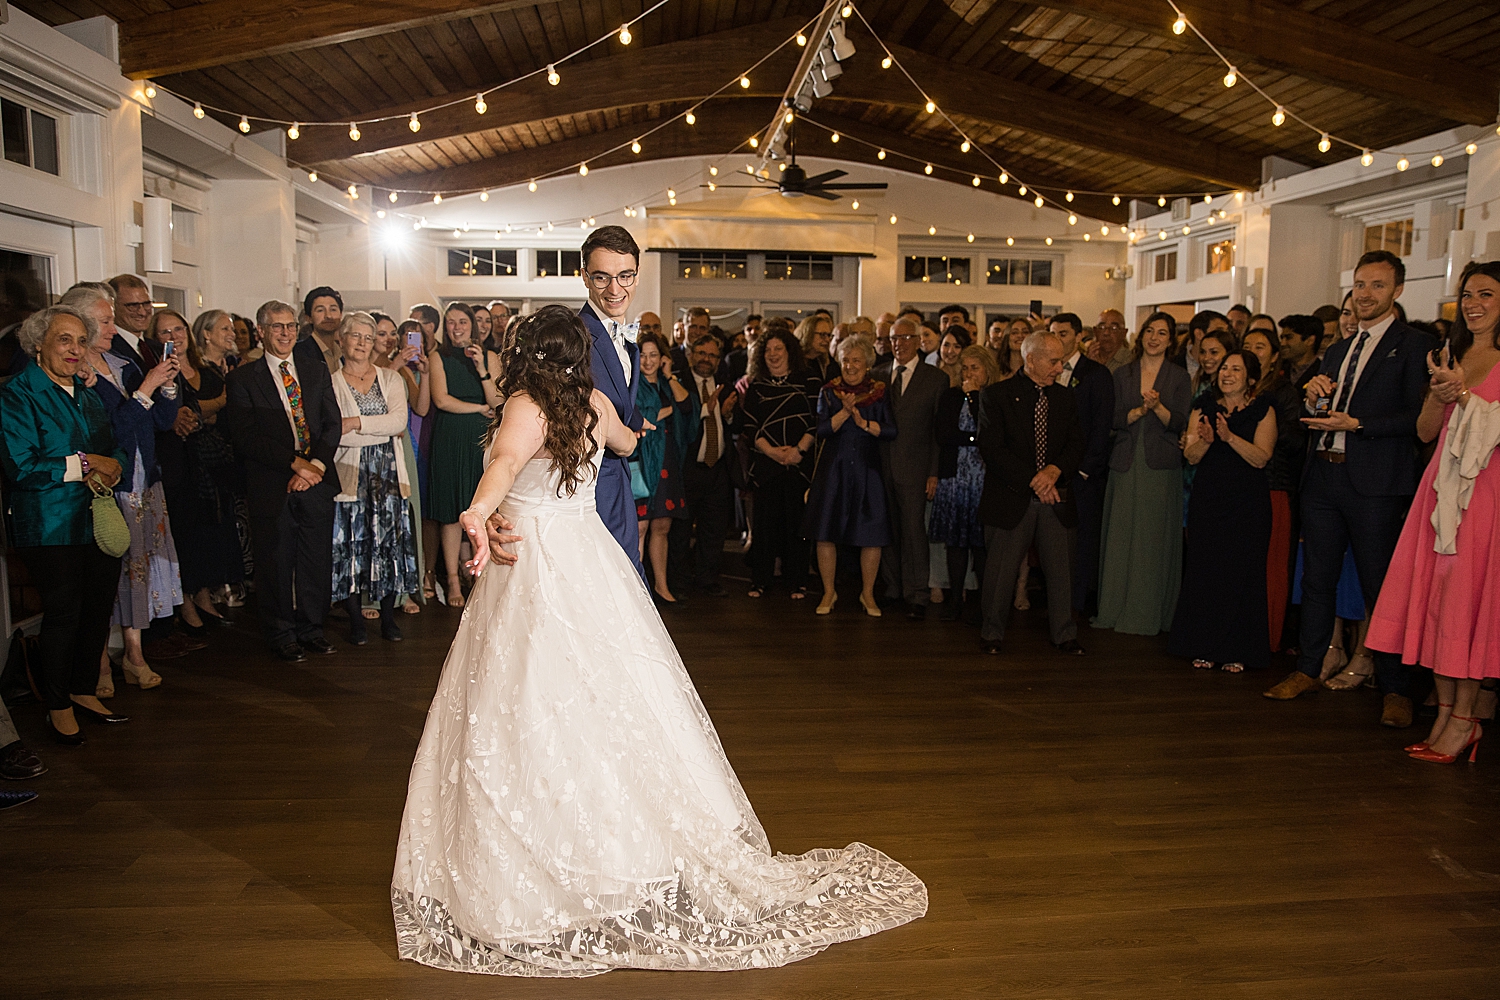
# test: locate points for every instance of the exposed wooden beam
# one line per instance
(228, 31)
(989, 98)
(1321, 49)
(667, 73)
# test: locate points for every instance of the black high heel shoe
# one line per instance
(76, 740)
(108, 718)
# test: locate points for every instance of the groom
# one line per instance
(610, 263)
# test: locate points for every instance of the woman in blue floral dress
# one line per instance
(955, 506)
(374, 548)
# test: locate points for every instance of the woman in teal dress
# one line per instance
(656, 466)
(1140, 550)
(55, 444)
(465, 397)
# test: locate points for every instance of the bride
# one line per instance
(570, 809)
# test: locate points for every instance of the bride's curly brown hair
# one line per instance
(549, 361)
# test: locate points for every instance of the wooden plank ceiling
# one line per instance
(1086, 95)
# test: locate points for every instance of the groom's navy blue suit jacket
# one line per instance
(612, 495)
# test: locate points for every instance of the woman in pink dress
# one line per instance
(1440, 604)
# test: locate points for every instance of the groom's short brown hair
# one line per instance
(613, 238)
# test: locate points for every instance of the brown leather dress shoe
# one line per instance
(1397, 711)
(170, 648)
(1296, 683)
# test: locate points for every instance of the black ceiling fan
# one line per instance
(794, 182)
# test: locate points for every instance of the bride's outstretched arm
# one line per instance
(520, 436)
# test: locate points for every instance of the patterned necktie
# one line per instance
(1041, 428)
(1346, 387)
(710, 426)
(294, 400)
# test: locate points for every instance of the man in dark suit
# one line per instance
(1094, 389)
(132, 316)
(909, 465)
(705, 472)
(1031, 441)
(737, 361)
(1360, 472)
(611, 260)
(285, 425)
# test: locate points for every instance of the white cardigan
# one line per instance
(373, 430)
(1473, 435)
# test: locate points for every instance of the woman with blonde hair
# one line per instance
(815, 335)
(955, 506)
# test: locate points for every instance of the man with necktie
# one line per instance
(1032, 442)
(1360, 471)
(705, 473)
(285, 424)
(611, 261)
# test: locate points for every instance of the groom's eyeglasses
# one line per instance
(599, 280)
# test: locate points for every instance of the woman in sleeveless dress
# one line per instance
(1440, 603)
(570, 809)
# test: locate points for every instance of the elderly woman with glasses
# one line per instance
(56, 449)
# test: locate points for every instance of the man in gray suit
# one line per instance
(910, 464)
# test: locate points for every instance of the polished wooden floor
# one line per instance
(1117, 826)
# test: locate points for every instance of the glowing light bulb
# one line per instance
(531, 187)
(893, 220)
(932, 230)
(1085, 237)
(975, 182)
(754, 142)
(1161, 201)
(1004, 177)
(1162, 235)
(1039, 201)
(885, 63)
(1278, 117)
(1366, 158)
(1068, 197)
(312, 177)
(479, 106)
(848, 11)
(244, 124)
(591, 220)
(855, 204)
(552, 76)
(1115, 200)
(353, 132)
(1232, 77)
(417, 225)
(930, 107)
(834, 137)
(1186, 230)
(393, 197)
(1049, 241)
(549, 227)
(1402, 163)
(1179, 25)
(671, 201)
(1471, 149)
(1437, 160)
(484, 195)
(671, 193)
(625, 35)
(1072, 220)
(788, 118)
(744, 83)
(295, 132)
(713, 171)
(1103, 230)
(1324, 143)
(197, 110)
(353, 191)
(971, 237)
(801, 39)
(1010, 241)
(963, 147)
(880, 155)
(380, 213)
(437, 199)
(690, 118)
(927, 169)
(414, 124)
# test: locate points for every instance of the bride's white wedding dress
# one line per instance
(570, 809)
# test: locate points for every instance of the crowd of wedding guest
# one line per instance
(1247, 484)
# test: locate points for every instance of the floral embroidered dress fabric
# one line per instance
(570, 809)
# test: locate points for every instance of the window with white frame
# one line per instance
(28, 137)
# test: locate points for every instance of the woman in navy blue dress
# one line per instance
(846, 505)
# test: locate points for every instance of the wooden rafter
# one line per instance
(1317, 48)
(228, 31)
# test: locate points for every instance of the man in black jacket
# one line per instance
(705, 474)
(1032, 443)
(1094, 389)
(1361, 471)
(285, 425)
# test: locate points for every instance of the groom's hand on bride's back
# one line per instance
(501, 533)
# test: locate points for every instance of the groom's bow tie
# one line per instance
(616, 332)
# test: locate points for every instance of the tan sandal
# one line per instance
(411, 607)
(1352, 676)
(142, 677)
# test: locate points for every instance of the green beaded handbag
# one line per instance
(111, 533)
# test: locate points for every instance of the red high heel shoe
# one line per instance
(1424, 745)
(1433, 757)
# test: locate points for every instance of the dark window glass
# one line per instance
(460, 262)
(44, 142)
(505, 262)
(799, 267)
(546, 264)
(13, 126)
(571, 263)
(1041, 272)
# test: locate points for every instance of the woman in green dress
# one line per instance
(464, 394)
(1141, 545)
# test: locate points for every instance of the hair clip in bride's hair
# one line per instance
(568, 370)
(541, 355)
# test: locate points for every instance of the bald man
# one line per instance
(649, 322)
(1110, 348)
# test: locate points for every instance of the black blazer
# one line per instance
(1094, 386)
(145, 359)
(1007, 443)
(731, 422)
(1382, 456)
(949, 436)
(262, 434)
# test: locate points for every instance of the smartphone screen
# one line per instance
(1323, 405)
(168, 349)
(414, 338)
